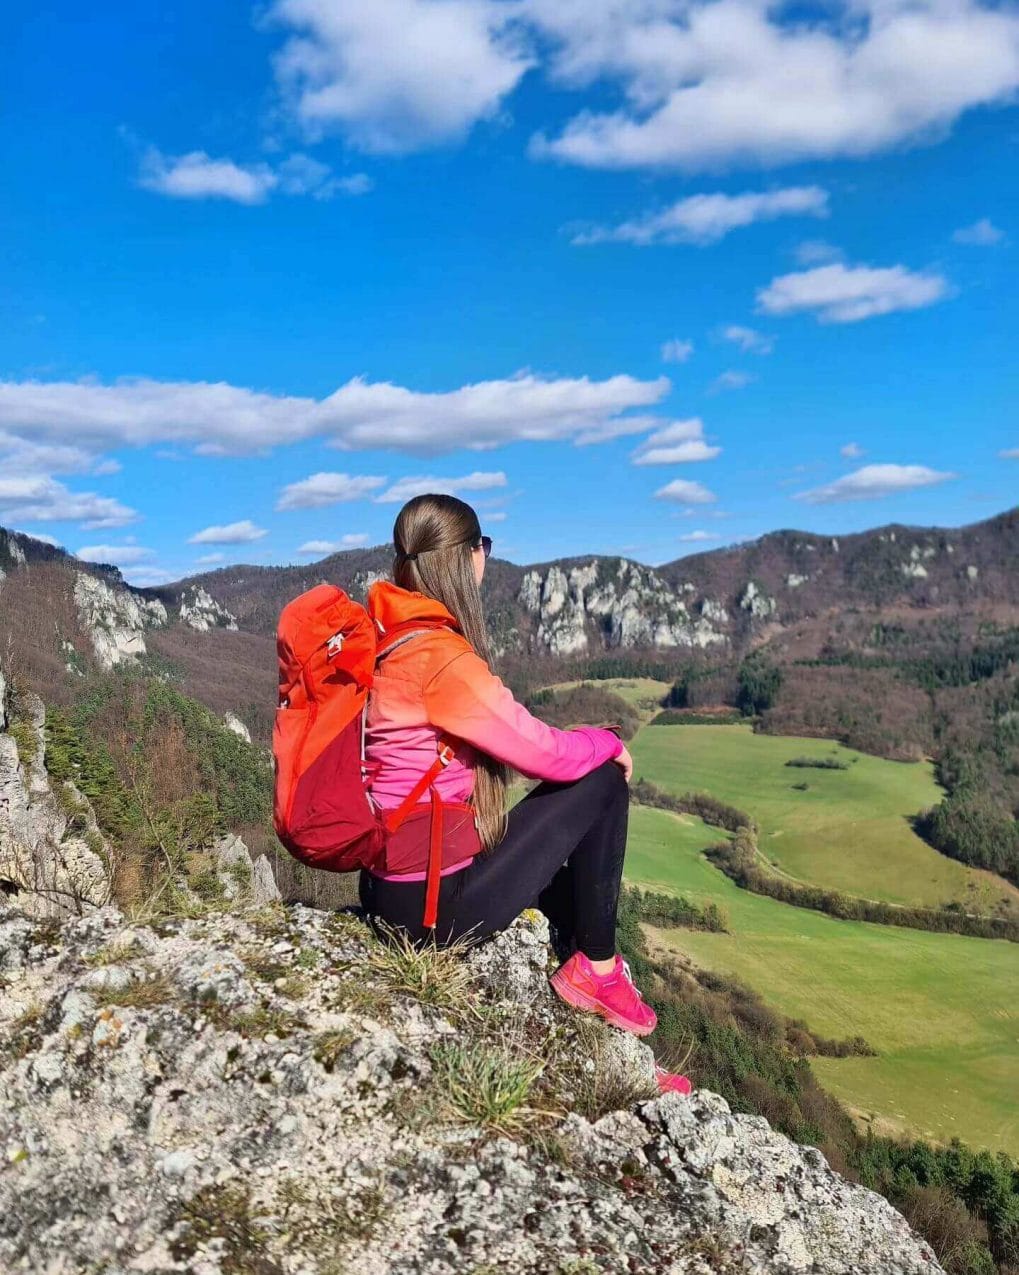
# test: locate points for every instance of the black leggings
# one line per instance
(562, 852)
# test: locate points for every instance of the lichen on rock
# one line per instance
(275, 1090)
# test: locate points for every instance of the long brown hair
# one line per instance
(433, 537)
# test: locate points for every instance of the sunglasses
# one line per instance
(486, 544)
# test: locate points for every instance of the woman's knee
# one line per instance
(608, 779)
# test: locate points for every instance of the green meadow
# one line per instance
(847, 830)
(941, 1010)
(645, 694)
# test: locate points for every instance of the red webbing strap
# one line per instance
(434, 876)
(396, 816)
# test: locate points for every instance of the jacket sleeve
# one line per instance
(467, 700)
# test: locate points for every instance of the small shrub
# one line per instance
(487, 1085)
(434, 975)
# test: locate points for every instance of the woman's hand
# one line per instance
(625, 763)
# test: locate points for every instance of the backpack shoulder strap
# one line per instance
(396, 637)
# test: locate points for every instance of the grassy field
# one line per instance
(941, 1010)
(848, 830)
(642, 693)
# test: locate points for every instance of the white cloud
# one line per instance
(233, 533)
(302, 175)
(28, 456)
(406, 488)
(118, 555)
(707, 82)
(146, 577)
(731, 380)
(207, 559)
(748, 339)
(498, 515)
(222, 419)
(705, 219)
(696, 537)
(982, 234)
(851, 451)
(103, 468)
(397, 75)
(327, 489)
(1009, 453)
(687, 493)
(676, 351)
(846, 294)
(678, 443)
(814, 252)
(40, 498)
(873, 481)
(198, 176)
(353, 541)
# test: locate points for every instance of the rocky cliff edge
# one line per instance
(273, 1091)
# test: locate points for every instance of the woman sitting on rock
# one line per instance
(560, 849)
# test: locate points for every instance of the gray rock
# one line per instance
(115, 619)
(318, 1134)
(56, 872)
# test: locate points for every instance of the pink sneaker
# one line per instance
(672, 1081)
(612, 996)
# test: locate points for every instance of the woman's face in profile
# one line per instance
(478, 558)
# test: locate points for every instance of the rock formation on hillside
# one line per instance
(115, 619)
(53, 858)
(275, 1091)
(621, 602)
(199, 610)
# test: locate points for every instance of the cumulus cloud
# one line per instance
(40, 498)
(144, 577)
(697, 537)
(676, 351)
(748, 340)
(705, 219)
(119, 555)
(197, 175)
(302, 175)
(982, 234)
(207, 559)
(1009, 453)
(677, 443)
(814, 252)
(731, 380)
(874, 481)
(686, 493)
(354, 541)
(327, 489)
(851, 451)
(846, 294)
(233, 533)
(406, 488)
(222, 419)
(397, 75)
(721, 81)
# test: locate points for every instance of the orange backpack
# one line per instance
(327, 648)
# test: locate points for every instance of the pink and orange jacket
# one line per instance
(436, 685)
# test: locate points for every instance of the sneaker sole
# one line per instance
(580, 1000)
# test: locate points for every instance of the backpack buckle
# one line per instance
(334, 646)
(446, 754)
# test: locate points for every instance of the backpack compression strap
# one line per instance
(396, 816)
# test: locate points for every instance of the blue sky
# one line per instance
(638, 276)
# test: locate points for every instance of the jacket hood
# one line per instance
(389, 605)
